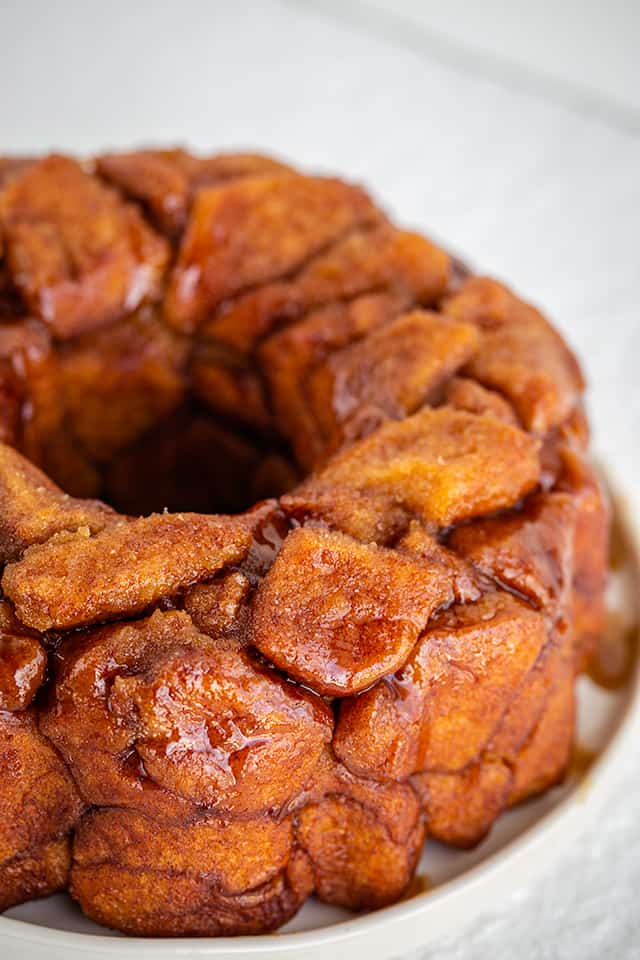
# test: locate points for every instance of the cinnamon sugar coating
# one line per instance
(442, 466)
(76, 579)
(208, 878)
(39, 805)
(442, 708)
(301, 550)
(34, 508)
(362, 837)
(165, 181)
(387, 376)
(520, 353)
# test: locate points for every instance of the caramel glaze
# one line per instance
(420, 883)
(582, 759)
(614, 660)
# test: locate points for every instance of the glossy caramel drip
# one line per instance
(582, 759)
(420, 883)
(614, 661)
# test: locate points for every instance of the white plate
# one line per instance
(524, 842)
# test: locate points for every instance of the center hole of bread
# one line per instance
(193, 461)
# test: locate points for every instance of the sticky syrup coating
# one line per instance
(352, 613)
(23, 661)
(300, 546)
(79, 256)
(180, 720)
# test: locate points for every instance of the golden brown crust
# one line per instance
(421, 544)
(590, 550)
(207, 879)
(462, 393)
(221, 608)
(34, 508)
(520, 354)
(354, 862)
(441, 709)
(290, 356)
(165, 180)
(383, 258)
(362, 837)
(530, 552)
(119, 381)
(23, 661)
(35, 418)
(543, 760)
(220, 730)
(442, 466)
(461, 807)
(388, 375)
(38, 872)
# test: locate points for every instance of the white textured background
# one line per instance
(510, 130)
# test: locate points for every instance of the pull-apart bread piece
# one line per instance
(301, 550)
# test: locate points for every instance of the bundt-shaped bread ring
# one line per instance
(301, 550)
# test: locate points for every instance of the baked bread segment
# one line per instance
(301, 550)
(530, 552)
(78, 578)
(120, 381)
(207, 878)
(78, 255)
(247, 739)
(543, 759)
(23, 661)
(36, 872)
(520, 354)
(442, 466)
(254, 230)
(164, 181)
(34, 508)
(39, 805)
(461, 807)
(289, 358)
(390, 374)
(172, 708)
(439, 712)
(362, 837)
(337, 615)
(463, 393)
(35, 419)
(365, 260)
